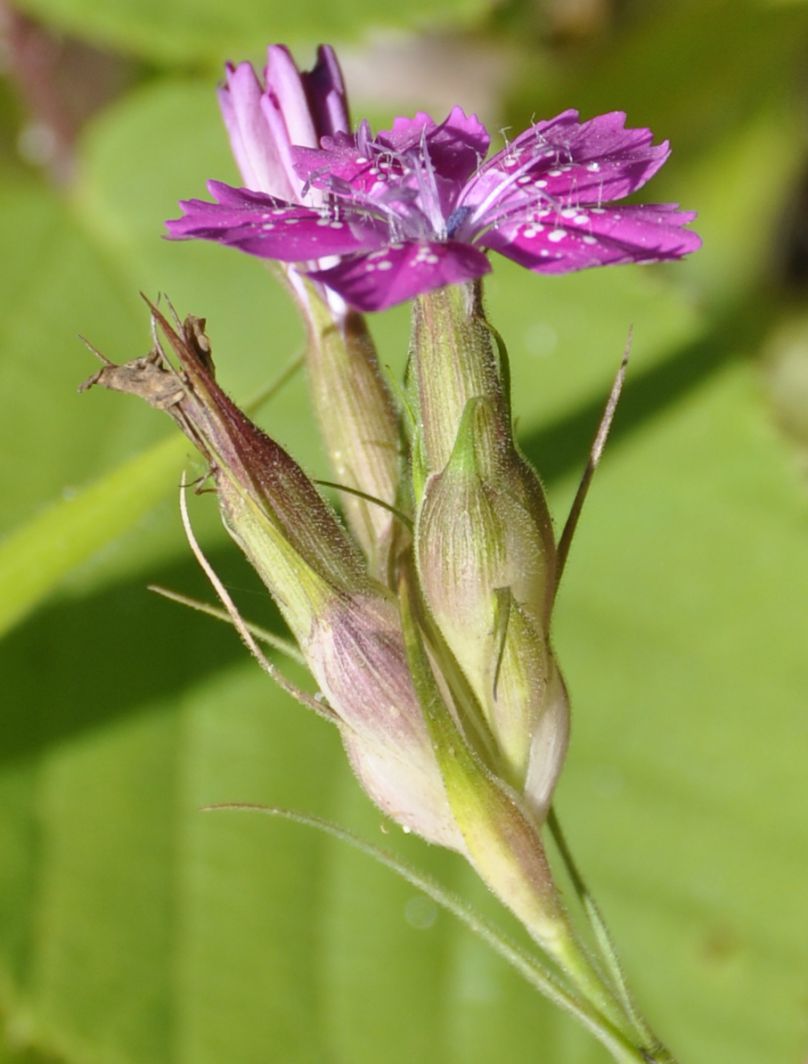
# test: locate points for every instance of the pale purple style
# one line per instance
(416, 207)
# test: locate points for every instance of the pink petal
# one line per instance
(340, 166)
(575, 239)
(456, 147)
(398, 272)
(295, 108)
(459, 145)
(267, 227)
(325, 89)
(565, 163)
(243, 197)
(406, 133)
(254, 149)
(284, 87)
(367, 166)
(287, 178)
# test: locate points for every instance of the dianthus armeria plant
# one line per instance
(424, 619)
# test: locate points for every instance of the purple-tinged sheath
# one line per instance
(416, 207)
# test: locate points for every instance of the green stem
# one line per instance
(621, 1048)
(655, 1051)
(357, 418)
(454, 360)
(575, 961)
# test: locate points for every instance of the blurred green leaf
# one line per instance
(787, 378)
(207, 30)
(682, 626)
(36, 557)
(78, 267)
(696, 71)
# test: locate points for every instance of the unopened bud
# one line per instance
(346, 623)
(268, 504)
(484, 543)
(356, 653)
(501, 835)
(485, 560)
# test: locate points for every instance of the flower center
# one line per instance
(401, 190)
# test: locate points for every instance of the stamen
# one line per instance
(499, 190)
(430, 198)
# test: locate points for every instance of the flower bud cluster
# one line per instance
(441, 679)
(425, 623)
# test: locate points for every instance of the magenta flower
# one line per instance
(416, 207)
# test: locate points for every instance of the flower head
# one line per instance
(416, 207)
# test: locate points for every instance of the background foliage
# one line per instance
(136, 930)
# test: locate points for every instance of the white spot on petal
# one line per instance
(593, 167)
(385, 265)
(590, 240)
(557, 235)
